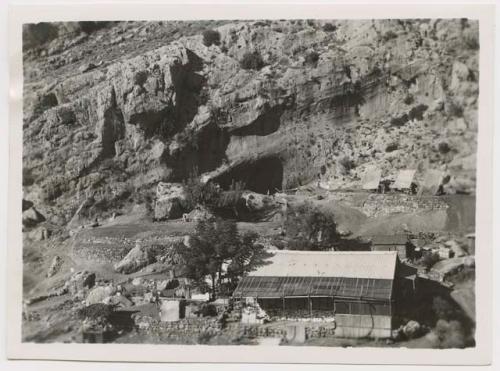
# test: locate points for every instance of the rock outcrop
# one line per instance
(31, 217)
(158, 104)
(137, 258)
(170, 201)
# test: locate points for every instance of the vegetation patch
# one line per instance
(211, 37)
(252, 61)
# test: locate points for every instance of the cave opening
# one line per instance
(263, 176)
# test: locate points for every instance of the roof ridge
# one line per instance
(305, 252)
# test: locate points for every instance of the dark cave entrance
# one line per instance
(262, 176)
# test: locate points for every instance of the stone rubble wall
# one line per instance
(385, 204)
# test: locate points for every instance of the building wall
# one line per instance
(354, 318)
(357, 326)
(401, 249)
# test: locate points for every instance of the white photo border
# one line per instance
(479, 355)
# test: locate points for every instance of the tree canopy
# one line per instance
(217, 251)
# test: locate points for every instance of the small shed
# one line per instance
(371, 178)
(431, 183)
(396, 242)
(404, 180)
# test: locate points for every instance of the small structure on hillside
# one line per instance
(432, 183)
(371, 179)
(397, 242)
(355, 290)
(405, 181)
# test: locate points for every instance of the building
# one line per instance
(358, 289)
(431, 183)
(396, 242)
(371, 179)
(405, 181)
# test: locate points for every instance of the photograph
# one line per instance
(250, 182)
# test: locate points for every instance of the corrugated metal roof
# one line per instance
(346, 264)
(390, 239)
(404, 179)
(371, 179)
(278, 287)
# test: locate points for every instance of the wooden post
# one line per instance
(310, 307)
(283, 305)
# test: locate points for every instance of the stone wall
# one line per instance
(385, 204)
(312, 330)
(344, 326)
(183, 328)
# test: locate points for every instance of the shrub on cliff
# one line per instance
(43, 102)
(408, 99)
(199, 193)
(211, 37)
(417, 113)
(389, 35)
(400, 121)
(444, 148)
(252, 61)
(312, 58)
(347, 164)
(329, 27)
(95, 311)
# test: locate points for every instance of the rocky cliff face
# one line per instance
(111, 111)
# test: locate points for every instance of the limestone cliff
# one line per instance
(113, 109)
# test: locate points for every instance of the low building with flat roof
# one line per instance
(358, 289)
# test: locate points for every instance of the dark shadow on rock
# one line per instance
(264, 175)
(201, 151)
(267, 123)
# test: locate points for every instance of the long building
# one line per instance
(358, 289)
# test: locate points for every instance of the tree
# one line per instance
(199, 193)
(252, 61)
(308, 228)
(211, 37)
(217, 251)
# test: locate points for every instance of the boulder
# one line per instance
(138, 281)
(118, 300)
(412, 329)
(99, 294)
(54, 266)
(39, 234)
(32, 217)
(170, 200)
(137, 258)
(80, 281)
(199, 213)
(458, 251)
(259, 202)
